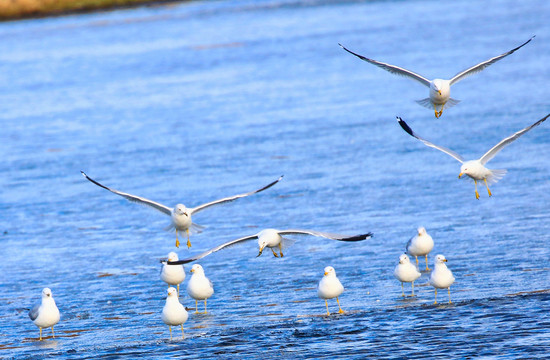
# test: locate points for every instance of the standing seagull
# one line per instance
(180, 215)
(441, 277)
(45, 314)
(330, 287)
(476, 169)
(199, 286)
(174, 313)
(420, 244)
(406, 272)
(440, 90)
(172, 274)
(272, 239)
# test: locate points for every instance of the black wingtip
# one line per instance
(358, 237)
(179, 262)
(404, 126)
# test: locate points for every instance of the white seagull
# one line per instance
(330, 287)
(476, 169)
(174, 313)
(199, 286)
(45, 314)
(406, 272)
(172, 274)
(180, 215)
(441, 277)
(420, 245)
(272, 239)
(440, 89)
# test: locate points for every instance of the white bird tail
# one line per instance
(496, 175)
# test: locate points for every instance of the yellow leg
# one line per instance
(477, 194)
(435, 302)
(169, 327)
(177, 241)
(489, 191)
(53, 335)
(178, 290)
(326, 303)
(274, 253)
(40, 333)
(340, 311)
(280, 249)
(402, 290)
(182, 334)
(427, 268)
(196, 306)
(449, 290)
(188, 240)
(412, 283)
(205, 306)
(436, 112)
(441, 111)
(416, 257)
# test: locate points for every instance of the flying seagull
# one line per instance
(476, 169)
(180, 215)
(440, 89)
(272, 238)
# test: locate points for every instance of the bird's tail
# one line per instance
(427, 103)
(451, 102)
(496, 175)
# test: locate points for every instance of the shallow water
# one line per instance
(197, 101)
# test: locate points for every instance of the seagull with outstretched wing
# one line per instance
(476, 169)
(440, 89)
(180, 215)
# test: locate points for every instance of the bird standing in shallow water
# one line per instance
(174, 313)
(45, 314)
(420, 245)
(199, 286)
(406, 272)
(440, 89)
(172, 274)
(441, 277)
(330, 287)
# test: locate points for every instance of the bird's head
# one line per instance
(440, 259)
(404, 259)
(421, 230)
(262, 243)
(47, 293)
(172, 256)
(180, 210)
(464, 170)
(172, 292)
(329, 270)
(437, 85)
(197, 269)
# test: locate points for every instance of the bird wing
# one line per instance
(491, 153)
(133, 198)
(481, 66)
(232, 198)
(427, 143)
(213, 250)
(392, 68)
(409, 244)
(338, 237)
(33, 313)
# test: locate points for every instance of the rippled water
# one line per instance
(195, 101)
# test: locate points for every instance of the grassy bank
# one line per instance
(20, 9)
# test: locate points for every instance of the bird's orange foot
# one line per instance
(477, 195)
(177, 243)
(341, 311)
(188, 243)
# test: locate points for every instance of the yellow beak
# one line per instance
(445, 260)
(192, 270)
(460, 175)
(326, 273)
(439, 91)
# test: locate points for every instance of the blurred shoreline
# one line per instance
(11, 10)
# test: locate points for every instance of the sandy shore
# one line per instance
(21, 9)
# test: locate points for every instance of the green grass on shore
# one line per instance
(19, 9)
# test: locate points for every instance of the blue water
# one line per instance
(196, 101)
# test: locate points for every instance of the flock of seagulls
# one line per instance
(200, 288)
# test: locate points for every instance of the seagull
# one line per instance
(199, 286)
(406, 272)
(180, 215)
(272, 239)
(440, 89)
(330, 287)
(172, 274)
(476, 169)
(45, 314)
(420, 244)
(441, 277)
(174, 313)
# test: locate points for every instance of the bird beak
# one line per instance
(445, 260)
(192, 270)
(326, 273)
(460, 175)
(439, 91)
(261, 250)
